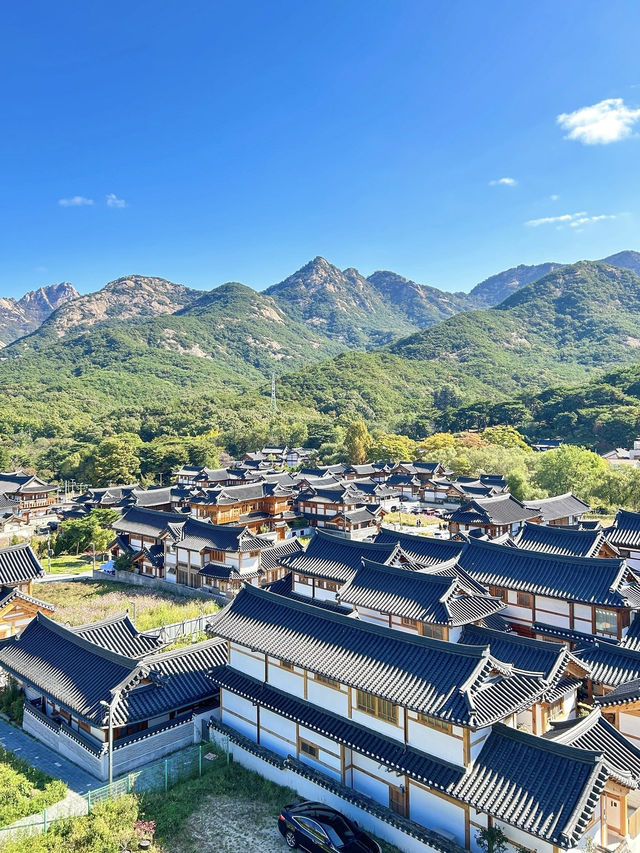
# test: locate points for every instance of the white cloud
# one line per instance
(573, 220)
(505, 182)
(554, 197)
(75, 201)
(114, 201)
(602, 123)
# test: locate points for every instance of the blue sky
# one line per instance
(214, 141)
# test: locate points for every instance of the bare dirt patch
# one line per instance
(225, 824)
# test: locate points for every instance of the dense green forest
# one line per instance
(120, 399)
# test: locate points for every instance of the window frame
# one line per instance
(528, 596)
(435, 723)
(371, 705)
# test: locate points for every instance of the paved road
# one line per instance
(40, 756)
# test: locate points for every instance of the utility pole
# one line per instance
(274, 404)
(49, 552)
(93, 548)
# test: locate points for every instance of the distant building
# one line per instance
(34, 497)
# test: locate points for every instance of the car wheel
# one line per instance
(290, 838)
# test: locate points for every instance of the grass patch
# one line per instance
(25, 790)
(410, 519)
(88, 600)
(67, 564)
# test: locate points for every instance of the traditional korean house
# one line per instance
(334, 507)
(560, 509)
(407, 485)
(33, 495)
(17, 608)
(261, 507)
(424, 551)
(620, 801)
(587, 594)
(78, 681)
(107, 497)
(369, 469)
(531, 655)
(441, 491)
(378, 493)
(570, 541)
(201, 554)
(420, 602)
(624, 534)
(19, 567)
(412, 724)
(185, 550)
(330, 560)
(428, 470)
(492, 516)
(196, 476)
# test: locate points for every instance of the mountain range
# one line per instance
(382, 346)
(19, 317)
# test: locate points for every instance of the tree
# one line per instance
(570, 469)
(390, 447)
(492, 840)
(80, 534)
(438, 441)
(358, 442)
(117, 460)
(505, 436)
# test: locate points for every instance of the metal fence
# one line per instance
(159, 776)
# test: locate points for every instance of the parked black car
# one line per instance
(321, 829)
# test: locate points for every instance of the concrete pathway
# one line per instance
(44, 758)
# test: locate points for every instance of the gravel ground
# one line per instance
(229, 825)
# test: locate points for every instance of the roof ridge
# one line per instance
(587, 756)
(541, 555)
(82, 642)
(443, 580)
(354, 624)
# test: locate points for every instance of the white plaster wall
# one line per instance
(250, 663)
(327, 698)
(436, 742)
(438, 814)
(238, 713)
(290, 681)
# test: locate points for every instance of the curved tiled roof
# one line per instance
(590, 580)
(568, 541)
(335, 558)
(425, 596)
(593, 732)
(511, 779)
(610, 664)
(559, 506)
(625, 530)
(523, 652)
(118, 634)
(18, 564)
(423, 550)
(500, 509)
(445, 680)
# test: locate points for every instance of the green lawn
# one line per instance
(67, 565)
(88, 600)
(25, 790)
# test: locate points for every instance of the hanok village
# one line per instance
(428, 686)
